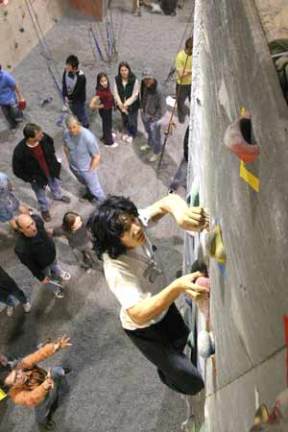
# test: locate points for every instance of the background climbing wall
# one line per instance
(232, 68)
(17, 29)
(274, 18)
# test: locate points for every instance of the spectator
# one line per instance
(9, 204)
(126, 93)
(79, 238)
(36, 250)
(153, 108)
(9, 291)
(183, 64)
(74, 89)
(10, 99)
(148, 314)
(34, 387)
(35, 162)
(82, 151)
(104, 101)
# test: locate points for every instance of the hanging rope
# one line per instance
(46, 51)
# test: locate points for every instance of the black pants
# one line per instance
(163, 344)
(12, 114)
(130, 122)
(106, 115)
(183, 92)
(9, 288)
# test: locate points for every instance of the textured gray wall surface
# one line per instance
(232, 69)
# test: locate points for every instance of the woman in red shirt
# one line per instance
(104, 101)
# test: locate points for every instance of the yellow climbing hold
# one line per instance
(3, 395)
(249, 178)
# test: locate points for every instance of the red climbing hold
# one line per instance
(238, 139)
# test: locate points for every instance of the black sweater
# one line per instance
(37, 252)
(26, 166)
(79, 92)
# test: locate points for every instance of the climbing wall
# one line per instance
(274, 18)
(232, 68)
(18, 30)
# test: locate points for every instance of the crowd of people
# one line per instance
(115, 233)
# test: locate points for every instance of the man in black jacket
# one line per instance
(36, 250)
(34, 161)
(74, 89)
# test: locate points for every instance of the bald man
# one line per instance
(36, 250)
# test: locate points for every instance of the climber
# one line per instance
(11, 100)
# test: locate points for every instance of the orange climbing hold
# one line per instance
(238, 139)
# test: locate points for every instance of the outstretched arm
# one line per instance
(45, 352)
(188, 218)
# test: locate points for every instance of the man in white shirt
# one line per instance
(148, 313)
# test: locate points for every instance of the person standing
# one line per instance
(183, 65)
(148, 314)
(35, 162)
(37, 251)
(34, 387)
(10, 205)
(104, 101)
(126, 94)
(153, 108)
(10, 99)
(74, 89)
(9, 291)
(82, 151)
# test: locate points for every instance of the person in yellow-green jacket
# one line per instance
(183, 65)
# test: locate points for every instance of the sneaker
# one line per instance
(154, 158)
(64, 199)
(124, 137)
(46, 216)
(65, 276)
(9, 311)
(86, 197)
(144, 147)
(27, 307)
(129, 140)
(114, 135)
(59, 293)
(114, 145)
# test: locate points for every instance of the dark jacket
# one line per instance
(37, 252)
(153, 102)
(79, 91)
(26, 166)
(126, 92)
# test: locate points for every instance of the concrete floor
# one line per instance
(112, 386)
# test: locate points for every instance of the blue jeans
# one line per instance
(43, 410)
(91, 181)
(130, 122)
(79, 110)
(154, 135)
(40, 192)
(52, 271)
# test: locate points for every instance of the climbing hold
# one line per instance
(249, 178)
(238, 139)
(16, 45)
(2, 394)
(4, 2)
(21, 30)
(8, 66)
(214, 245)
(46, 101)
